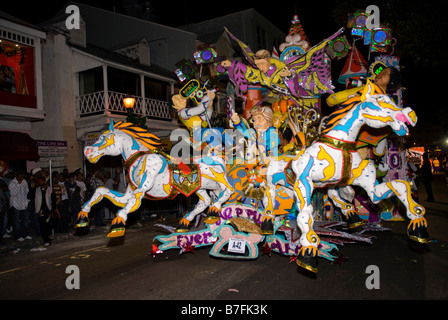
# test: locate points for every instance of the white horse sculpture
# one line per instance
(333, 162)
(154, 175)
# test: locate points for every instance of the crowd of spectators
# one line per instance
(40, 204)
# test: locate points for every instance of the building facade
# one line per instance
(82, 73)
(89, 70)
(21, 91)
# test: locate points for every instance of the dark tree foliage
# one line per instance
(420, 27)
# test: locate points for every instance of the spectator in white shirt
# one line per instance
(18, 202)
(80, 182)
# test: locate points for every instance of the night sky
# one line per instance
(316, 17)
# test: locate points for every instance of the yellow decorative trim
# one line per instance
(118, 220)
(220, 177)
(116, 233)
(109, 142)
(330, 170)
(355, 225)
(138, 197)
(312, 237)
(299, 194)
(183, 222)
(347, 148)
(147, 139)
(95, 160)
(356, 173)
(312, 250)
(167, 188)
(83, 214)
(421, 222)
(412, 203)
(419, 240)
(211, 220)
(382, 119)
(306, 266)
(413, 116)
(389, 106)
(143, 167)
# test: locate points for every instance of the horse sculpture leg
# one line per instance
(275, 175)
(309, 240)
(118, 227)
(116, 198)
(417, 229)
(204, 202)
(344, 203)
(222, 193)
(129, 202)
(146, 183)
(214, 173)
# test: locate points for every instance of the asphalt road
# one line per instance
(124, 270)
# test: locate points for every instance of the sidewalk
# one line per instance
(11, 246)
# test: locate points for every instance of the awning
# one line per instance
(17, 146)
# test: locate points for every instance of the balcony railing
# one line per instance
(112, 103)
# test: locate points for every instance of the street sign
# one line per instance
(48, 148)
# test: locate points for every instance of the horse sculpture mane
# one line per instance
(334, 118)
(147, 139)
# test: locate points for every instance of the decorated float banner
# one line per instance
(236, 236)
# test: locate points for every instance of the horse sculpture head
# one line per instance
(122, 138)
(379, 111)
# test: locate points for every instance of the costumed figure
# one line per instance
(386, 78)
(332, 161)
(200, 114)
(263, 143)
(196, 118)
(299, 77)
(154, 175)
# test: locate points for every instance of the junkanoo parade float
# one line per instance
(280, 177)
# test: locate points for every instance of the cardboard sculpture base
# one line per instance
(236, 236)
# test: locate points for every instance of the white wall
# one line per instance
(60, 87)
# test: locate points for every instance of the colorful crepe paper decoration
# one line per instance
(155, 251)
(355, 67)
(338, 48)
(379, 38)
